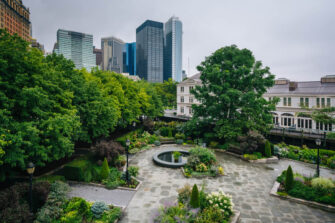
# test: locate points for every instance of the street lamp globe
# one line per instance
(127, 142)
(318, 142)
(30, 168)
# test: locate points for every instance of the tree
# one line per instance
(195, 200)
(267, 149)
(104, 170)
(233, 83)
(289, 179)
(168, 92)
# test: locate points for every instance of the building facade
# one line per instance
(98, 57)
(295, 98)
(112, 54)
(14, 17)
(77, 47)
(173, 46)
(149, 51)
(37, 45)
(129, 58)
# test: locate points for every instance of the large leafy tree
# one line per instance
(231, 94)
(36, 112)
(167, 92)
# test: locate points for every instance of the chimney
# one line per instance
(293, 85)
(281, 81)
(328, 79)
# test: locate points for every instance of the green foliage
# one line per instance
(133, 171)
(170, 133)
(233, 82)
(179, 141)
(104, 170)
(113, 179)
(281, 178)
(78, 170)
(111, 215)
(289, 179)
(184, 194)
(211, 214)
(51, 178)
(195, 201)
(176, 155)
(323, 183)
(205, 155)
(167, 91)
(157, 143)
(180, 136)
(330, 135)
(213, 144)
(98, 209)
(267, 151)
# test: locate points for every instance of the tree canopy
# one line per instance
(231, 94)
(46, 104)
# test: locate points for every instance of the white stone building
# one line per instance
(295, 97)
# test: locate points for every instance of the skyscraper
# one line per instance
(77, 47)
(173, 46)
(98, 56)
(112, 54)
(129, 58)
(149, 51)
(14, 17)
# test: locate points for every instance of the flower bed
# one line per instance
(139, 140)
(198, 207)
(59, 209)
(202, 163)
(316, 189)
(307, 155)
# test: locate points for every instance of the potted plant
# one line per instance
(176, 156)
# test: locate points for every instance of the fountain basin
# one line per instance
(166, 159)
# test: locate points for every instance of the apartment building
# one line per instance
(294, 98)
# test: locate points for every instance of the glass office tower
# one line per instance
(77, 47)
(129, 58)
(112, 54)
(173, 46)
(149, 51)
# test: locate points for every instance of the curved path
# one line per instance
(249, 184)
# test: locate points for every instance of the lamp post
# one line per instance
(318, 143)
(127, 153)
(134, 125)
(30, 171)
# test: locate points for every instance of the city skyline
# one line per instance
(294, 45)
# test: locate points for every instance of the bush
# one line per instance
(164, 131)
(133, 171)
(252, 142)
(289, 179)
(210, 214)
(190, 142)
(201, 167)
(78, 170)
(111, 215)
(104, 170)
(205, 155)
(51, 178)
(157, 143)
(331, 162)
(170, 133)
(322, 183)
(98, 209)
(79, 205)
(267, 151)
(179, 141)
(180, 136)
(108, 149)
(195, 201)
(113, 179)
(213, 144)
(184, 194)
(193, 161)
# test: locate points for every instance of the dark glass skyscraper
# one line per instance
(173, 46)
(129, 58)
(149, 51)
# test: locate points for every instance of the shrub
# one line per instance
(148, 125)
(78, 170)
(250, 156)
(152, 139)
(170, 133)
(205, 155)
(179, 141)
(221, 170)
(157, 143)
(164, 131)
(222, 201)
(51, 178)
(111, 215)
(214, 171)
(201, 167)
(252, 142)
(267, 151)
(184, 194)
(289, 179)
(180, 136)
(133, 171)
(322, 183)
(108, 149)
(79, 205)
(113, 179)
(331, 162)
(210, 214)
(98, 209)
(190, 142)
(195, 201)
(104, 170)
(213, 144)
(281, 178)
(193, 161)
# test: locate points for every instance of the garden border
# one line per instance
(201, 177)
(309, 164)
(272, 159)
(235, 217)
(314, 204)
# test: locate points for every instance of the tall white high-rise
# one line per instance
(173, 49)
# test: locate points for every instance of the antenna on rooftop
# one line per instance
(188, 61)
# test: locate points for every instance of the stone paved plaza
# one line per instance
(249, 184)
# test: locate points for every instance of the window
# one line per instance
(307, 102)
(190, 100)
(270, 98)
(182, 99)
(298, 122)
(181, 89)
(289, 101)
(317, 125)
(190, 111)
(301, 101)
(302, 123)
(306, 123)
(322, 102)
(318, 102)
(285, 101)
(182, 109)
(328, 102)
(191, 88)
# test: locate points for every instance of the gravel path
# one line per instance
(249, 184)
(116, 197)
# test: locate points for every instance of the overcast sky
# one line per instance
(295, 38)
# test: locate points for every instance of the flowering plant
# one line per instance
(222, 201)
(201, 167)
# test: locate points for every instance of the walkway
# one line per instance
(120, 198)
(249, 184)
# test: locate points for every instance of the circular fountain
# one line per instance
(167, 158)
